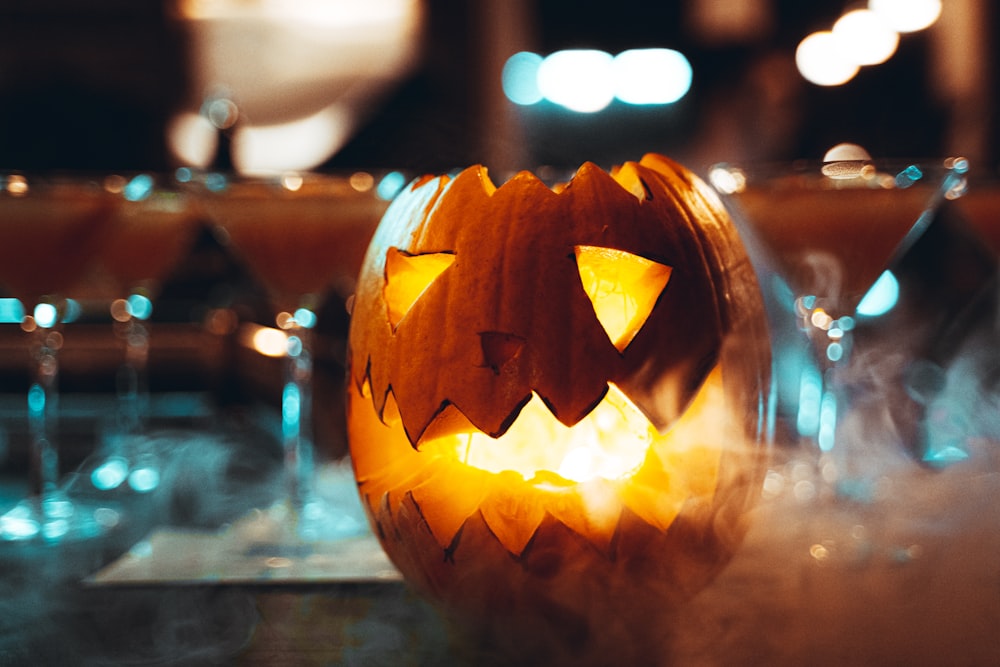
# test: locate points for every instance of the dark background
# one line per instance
(92, 85)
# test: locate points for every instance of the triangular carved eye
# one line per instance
(407, 277)
(623, 288)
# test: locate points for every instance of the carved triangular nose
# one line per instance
(499, 348)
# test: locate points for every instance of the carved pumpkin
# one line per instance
(554, 397)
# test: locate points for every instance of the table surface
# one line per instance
(200, 572)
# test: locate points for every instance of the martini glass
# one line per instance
(981, 206)
(153, 226)
(302, 237)
(50, 229)
(823, 236)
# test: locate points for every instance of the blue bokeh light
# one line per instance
(305, 318)
(827, 422)
(390, 185)
(810, 397)
(144, 479)
(520, 78)
(140, 307)
(881, 297)
(110, 474)
(139, 188)
(11, 311)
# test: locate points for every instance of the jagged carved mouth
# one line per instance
(611, 442)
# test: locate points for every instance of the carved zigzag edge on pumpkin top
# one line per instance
(631, 177)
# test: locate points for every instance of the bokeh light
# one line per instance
(110, 474)
(46, 315)
(820, 60)
(881, 298)
(907, 15)
(520, 78)
(294, 146)
(864, 38)
(264, 340)
(588, 80)
(390, 185)
(579, 79)
(11, 310)
(651, 76)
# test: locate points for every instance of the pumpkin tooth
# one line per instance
(591, 508)
(446, 505)
(512, 510)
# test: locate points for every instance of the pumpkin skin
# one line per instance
(544, 567)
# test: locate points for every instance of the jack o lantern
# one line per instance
(554, 401)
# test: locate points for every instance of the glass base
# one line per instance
(55, 518)
(318, 520)
(331, 511)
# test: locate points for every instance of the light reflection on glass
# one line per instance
(110, 474)
(826, 437)
(144, 479)
(139, 188)
(881, 298)
(305, 318)
(290, 409)
(810, 396)
(46, 315)
(139, 306)
(36, 400)
(11, 311)
(390, 185)
(265, 340)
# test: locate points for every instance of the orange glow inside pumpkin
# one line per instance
(407, 276)
(528, 474)
(622, 287)
(611, 442)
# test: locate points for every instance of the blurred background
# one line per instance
(430, 85)
(389, 89)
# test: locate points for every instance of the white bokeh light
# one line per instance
(907, 15)
(295, 146)
(820, 60)
(192, 139)
(864, 38)
(579, 79)
(651, 76)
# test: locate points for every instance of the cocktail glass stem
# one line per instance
(42, 399)
(131, 458)
(132, 387)
(823, 396)
(296, 414)
(47, 512)
(316, 517)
